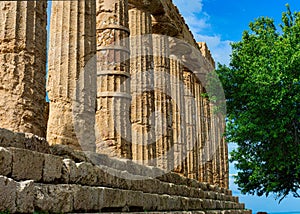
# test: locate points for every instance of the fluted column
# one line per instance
(178, 115)
(23, 66)
(225, 164)
(113, 79)
(215, 146)
(163, 105)
(221, 153)
(190, 109)
(71, 76)
(208, 168)
(142, 81)
(200, 127)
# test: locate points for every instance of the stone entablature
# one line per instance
(126, 79)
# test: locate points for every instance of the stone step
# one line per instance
(23, 141)
(20, 164)
(133, 168)
(27, 196)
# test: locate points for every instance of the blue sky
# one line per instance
(219, 23)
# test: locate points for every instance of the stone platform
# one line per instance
(59, 179)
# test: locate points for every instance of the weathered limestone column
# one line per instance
(163, 105)
(142, 81)
(113, 79)
(23, 66)
(200, 127)
(190, 109)
(215, 146)
(208, 168)
(225, 164)
(221, 153)
(178, 115)
(72, 74)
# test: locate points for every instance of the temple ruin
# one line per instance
(130, 125)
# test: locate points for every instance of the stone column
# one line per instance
(200, 127)
(215, 147)
(190, 109)
(226, 165)
(72, 73)
(23, 66)
(208, 169)
(222, 161)
(178, 115)
(142, 81)
(113, 79)
(163, 105)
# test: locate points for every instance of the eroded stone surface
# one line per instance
(25, 197)
(71, 77)
(23, 141)
(23, 66)
(52, 170)
(27, 164)
(55, 198)
(8, 194)
(5, 162)
(113, 82)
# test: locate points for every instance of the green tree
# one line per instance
(262, 89)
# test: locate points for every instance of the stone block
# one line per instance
(169, 203)
(86, 199)
(172, 189)
(219, 205)
(5, 162)
(52, 170)
(211, 195)
(150, 201)
(241, 206)
(228, 192)
(68, 153)
(151, 185)
(133, 198)
(163, 201)
(193, 183)
(86, 174)
(25, 197)
(195, 204)
(139, 185)
(174, 203)
(112, 198)
(229, 205)
(184, 190)
(27, 165)
(110, 177)
(8, 194)
(23, 141)
(234, 199)
(207, 203)
(69, 171)
(54, 198)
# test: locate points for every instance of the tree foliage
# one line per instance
(262, 89)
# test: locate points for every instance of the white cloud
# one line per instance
(220, 49)
(191, 11)
(187, 7)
